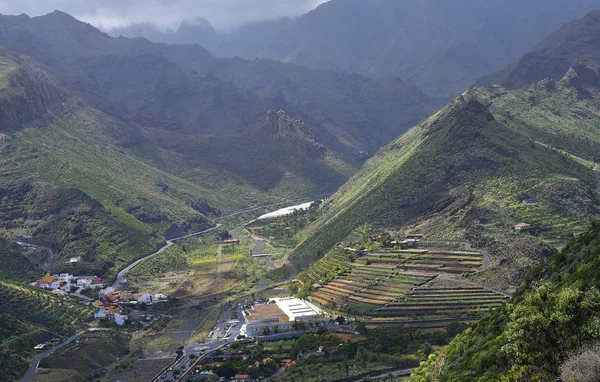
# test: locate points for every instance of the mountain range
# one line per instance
(441, 47)
(461, 175)
(178, 136)
(110, 145)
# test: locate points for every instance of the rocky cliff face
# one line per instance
(280, 125)
(27, 93)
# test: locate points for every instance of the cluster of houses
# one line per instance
(110, 302)
(66, 283)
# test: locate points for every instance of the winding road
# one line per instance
(121, 275)
(36, 361)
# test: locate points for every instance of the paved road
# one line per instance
(121, 276)
(36, 361)
(395, 373)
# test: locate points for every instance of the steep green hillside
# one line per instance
(461, 175)
(303, 164)
(84, 183)
(15, 266)
(68, 183)
(552, 316)
(29, 316)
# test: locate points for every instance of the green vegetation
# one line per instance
(414, 288)
(193, 267)
(463, 173)
(15, 266)
(31, 316)
(552, 316)
(93, 352)
(283, 230)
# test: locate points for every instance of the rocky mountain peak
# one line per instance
(279, 123)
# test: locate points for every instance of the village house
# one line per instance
(145, 298)
(97, 282)
(100, 314)
(75, 259)
(120, 319)
(241, 378)
(522, 227)
(45, 281)
(84, 283)
(65, 277)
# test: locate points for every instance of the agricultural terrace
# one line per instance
(399, 287)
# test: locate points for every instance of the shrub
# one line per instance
(584, 366)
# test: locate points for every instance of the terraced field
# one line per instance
(437, 305)
(412, 287)
(37, 307)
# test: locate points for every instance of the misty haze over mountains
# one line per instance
(439, 46)
(450, 148)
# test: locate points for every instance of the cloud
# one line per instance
(223, 14)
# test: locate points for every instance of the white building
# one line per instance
(100, 314)
(297, 309)
(65, 277)
(145, 298)
(120, 319)
(279, 313)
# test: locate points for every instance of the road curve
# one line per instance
(121, 275)
(36, 361)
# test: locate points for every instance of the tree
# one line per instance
(225, 235)
(293, 288)
(276, 329)
(227, 370)
(266, 331)
(548, 324)
(386, 239)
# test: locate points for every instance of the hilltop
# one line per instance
(574, 44)
(461, 175)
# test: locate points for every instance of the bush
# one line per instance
(584, 366)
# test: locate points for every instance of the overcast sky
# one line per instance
(223, 14)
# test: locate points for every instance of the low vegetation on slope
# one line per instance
(281, 157)
(68, 182)
(465, 170)
(553, 317)
(15, 266)
(30, 316)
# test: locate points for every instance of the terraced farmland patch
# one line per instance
(435, 306)
(404, 287)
